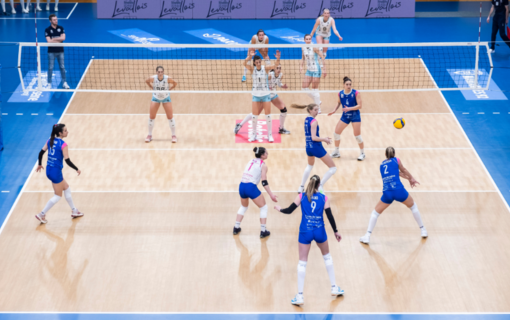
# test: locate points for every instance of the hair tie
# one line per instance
(257, 151)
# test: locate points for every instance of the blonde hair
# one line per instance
(309, 107)
(312, 186)
(390, 152)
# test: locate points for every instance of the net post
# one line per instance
(19, 68)
(39, 78)
(476, 65)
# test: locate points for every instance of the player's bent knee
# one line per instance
(337, 137)
(359, 139)
(328, 260)
(263, 212)
(333, 170)
(242, 210)
(301, 267)
(284, 110)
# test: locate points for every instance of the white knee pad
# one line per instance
(332, 170)
(359, 139)
(263, 212)
(301, 267)
(328, 260)
(337, 137)
(242, 210)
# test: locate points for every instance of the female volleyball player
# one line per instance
(160, 84)
(314, 148)
(322, 27)
(58, 152)
(260, 91)
(393, 189)
(259, 38)
(313, 70)
(313, 204)
(255, 170)
(350, 100)
(275, 80)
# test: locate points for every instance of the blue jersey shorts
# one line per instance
(273, 96)
(351, 117)
(317, 151)
(389, 196)
(54, 174)
(262, 99)
(318, 235)
(314, 74)
(249, 190)
(167, 99)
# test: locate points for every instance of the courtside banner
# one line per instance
(252, 9)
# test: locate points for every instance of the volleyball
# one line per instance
(399, 123)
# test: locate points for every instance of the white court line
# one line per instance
(35, 165)
(467, 138)
(495, 113)
(5, 191)
(35, 114)
(481, 112)
(75, 5)
(242, 114)
(4, 114)
(50, 114)
(281, 191)
(243, 149)
(19, 114)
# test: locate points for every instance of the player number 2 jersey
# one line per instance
(253, 171)
(313, 212)
(390, 175)
(160, 85)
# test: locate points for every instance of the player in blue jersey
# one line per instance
(350, 100)
(58, 152)
(313, 204)
(254, 171)
(314, 148)
(393, 189)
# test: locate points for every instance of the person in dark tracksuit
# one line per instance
(498, 23)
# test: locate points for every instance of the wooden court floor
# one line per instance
(157, 231)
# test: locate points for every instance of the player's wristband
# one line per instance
(69, 163)
(41, 153)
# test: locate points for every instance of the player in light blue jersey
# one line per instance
(350, 100)
(393, 189)
(315, 68)
(58, 152)
(314, 148)
(313, 204)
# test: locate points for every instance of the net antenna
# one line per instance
(38, 50)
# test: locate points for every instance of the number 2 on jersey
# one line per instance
(386, 169)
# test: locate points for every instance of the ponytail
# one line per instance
(259, 151)
(309, 107)
(390, 152)
(312, 186)
(55, 132)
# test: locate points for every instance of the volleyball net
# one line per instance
(219, 68)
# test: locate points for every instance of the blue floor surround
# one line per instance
(26, 126)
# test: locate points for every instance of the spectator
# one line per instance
(499, 22)
(55, 34)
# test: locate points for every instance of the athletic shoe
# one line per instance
(174, 139)
(48, 86)
(47, 7)
(41, 217)
(336, 291)
(38, 8)
(148, 139)
(243, 79)
(237, 230)
(25, 10)
(237, 128)
(365, 239)
(283, 131)
(56, 9)
(424, 233)
(264, 234)
(252, 138)
(76, 214)
(301, 189)
(13, 11)
(492, 50)
(335, 154)
(270, 138)
(361, 157)
(298, 300)
(65, 85)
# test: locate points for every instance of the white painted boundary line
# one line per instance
(281, 191)
(35, 165)
(469, 141)
(243, 149)
(70, 13)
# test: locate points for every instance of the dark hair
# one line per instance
(259, 151)
(157, 68)
(390, 152)
(57, 129)
(255, 59)
(347, 79)
(309, 107)
(52, 16)
(306, 35)
(313, 185)
(260, 32)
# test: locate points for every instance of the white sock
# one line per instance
(244, 74)
(328, 175)
(362, 151)
(151, 126)
(246, 119)
(306, 174)
(337, 149)
(309, 93)
(316, 97)
(331, 270)
(67, 194)
(171, 122)
(238, 224)
(373, 221)
(254, 123)
(53, 201)
(283, 116)
(56, 3)
(262, 227)
(416, 215)
(269, 124)
(301, 273)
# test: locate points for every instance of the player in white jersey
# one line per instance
(322, 30)
(275, 80)
(259, 38)
(160, 84)
(314, 71)
(255, 170)
(260, 91)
